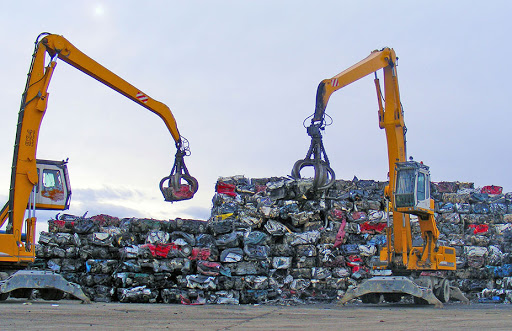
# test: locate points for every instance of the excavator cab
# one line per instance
(52, 191)
(412, 189)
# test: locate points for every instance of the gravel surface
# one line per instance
(72, 315)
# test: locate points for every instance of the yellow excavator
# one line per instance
(400, 268)
(44, 184)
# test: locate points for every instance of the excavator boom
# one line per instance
(375, 61)
(390, 119)
(33, 106)
(58, 46)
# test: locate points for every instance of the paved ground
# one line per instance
(72, 315)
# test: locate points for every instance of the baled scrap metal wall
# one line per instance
(270, 240)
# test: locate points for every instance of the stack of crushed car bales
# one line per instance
(273, 240)
(478, 223)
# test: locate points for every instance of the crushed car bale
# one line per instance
(273, 240)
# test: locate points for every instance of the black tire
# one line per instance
(443, 292)
(51, 294)
(392, 297)
(24, 293)
(419, 301)
(373, 298)
(3, 276)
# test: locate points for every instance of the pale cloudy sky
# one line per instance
(240, 78)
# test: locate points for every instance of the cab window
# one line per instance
(405, 181)
(51, 180)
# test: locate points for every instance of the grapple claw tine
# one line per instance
(324, 175)
(176, 190)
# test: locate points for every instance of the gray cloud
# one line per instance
(87, 195)
(92, 209)
(196, 212)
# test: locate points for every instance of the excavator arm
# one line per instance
(377, 60)
(400, 253)
(58, 46)
(24, 174)
(390, 119)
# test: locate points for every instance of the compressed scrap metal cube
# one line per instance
(274, 238)
(137, 294)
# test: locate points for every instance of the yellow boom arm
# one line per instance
(390, 119)
(34, 102)
(58, 46)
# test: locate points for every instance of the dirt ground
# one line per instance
(72, 315)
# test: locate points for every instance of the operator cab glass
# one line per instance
(412, 188)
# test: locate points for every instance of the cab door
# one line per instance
(423, 189)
